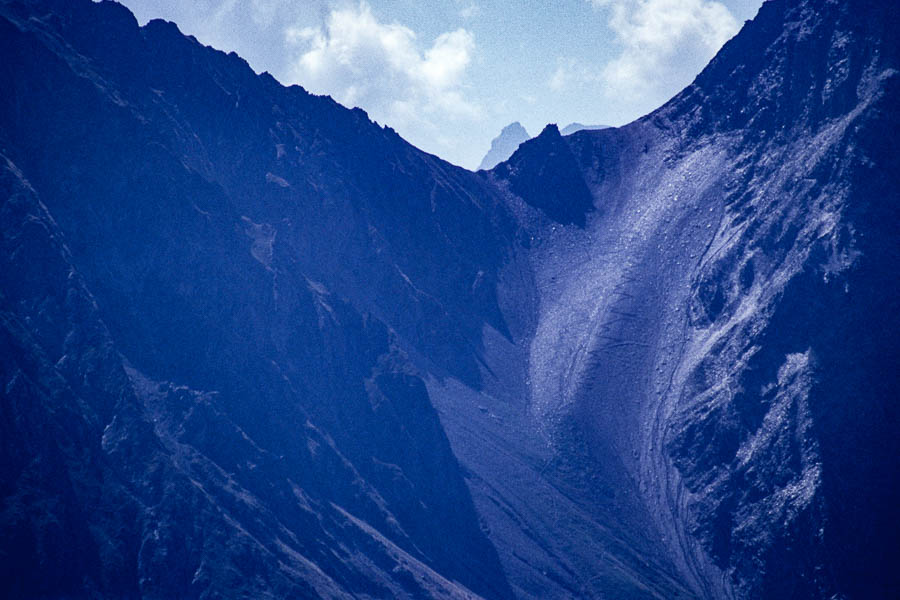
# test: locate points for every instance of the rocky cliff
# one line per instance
(254, 345)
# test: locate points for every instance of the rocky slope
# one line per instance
(724, 314)
(250, 430)
(255, 345)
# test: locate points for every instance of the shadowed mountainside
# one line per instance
(261, 432)
(254, 345)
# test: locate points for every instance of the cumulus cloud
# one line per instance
(382, 68)
(663, 41)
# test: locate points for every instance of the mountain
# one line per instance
(503, 146)
(576, 127)
(255, 345)
(513, 135)
(724, 316)
(203, 394)
(547, 176)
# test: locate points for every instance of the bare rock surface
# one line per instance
(254, 345)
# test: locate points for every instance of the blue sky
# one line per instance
(449, 74)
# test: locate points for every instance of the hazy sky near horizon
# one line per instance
(449, 74)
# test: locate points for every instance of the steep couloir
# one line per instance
(724, 323)
(255, 345)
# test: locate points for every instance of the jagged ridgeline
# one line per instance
(253, 345)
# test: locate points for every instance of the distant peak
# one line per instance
(514, 127)
(576, 127)
(503, 146)
(550, 131)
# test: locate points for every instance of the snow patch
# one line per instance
(263, 236)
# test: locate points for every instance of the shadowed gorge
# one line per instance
(253, 344)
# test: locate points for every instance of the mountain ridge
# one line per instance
(813, 135)
(173, 313)
(514, 135)
(255, 344)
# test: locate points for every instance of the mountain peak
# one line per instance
(504, 145)
(551, 130)
(514, 128)
(545, 173)
(576, 127)
(254, 345)
(814, 68)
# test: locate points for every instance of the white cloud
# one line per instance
(663, 42)
(381, 68)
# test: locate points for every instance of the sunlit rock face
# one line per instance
(254, 345)
(727, 320)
